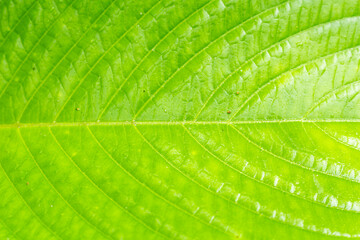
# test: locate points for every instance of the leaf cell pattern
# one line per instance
(168, 119)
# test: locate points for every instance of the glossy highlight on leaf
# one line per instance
(168, 119)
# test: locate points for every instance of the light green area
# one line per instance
(179, 119)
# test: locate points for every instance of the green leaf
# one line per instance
(168, 119)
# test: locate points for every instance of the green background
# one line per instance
(220, 119)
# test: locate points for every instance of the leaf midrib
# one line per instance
(149, 123)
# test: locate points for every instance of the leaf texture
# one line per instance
(168, 119)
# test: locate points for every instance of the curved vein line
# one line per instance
(348, 101)
(327, 96)
(259, 54)
(291, 162)
(334, 138)
(33, 48)
(60, 195)
(149, 188)
(102, 191)
(62, 59)
(102, 56)
(274, 79)
(147, 54)
(307, 134)
(259, 181)
(224, 198)
(202, 50)
(289, 140)
(28, 206)
(17, 23)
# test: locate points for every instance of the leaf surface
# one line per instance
(167, 119)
